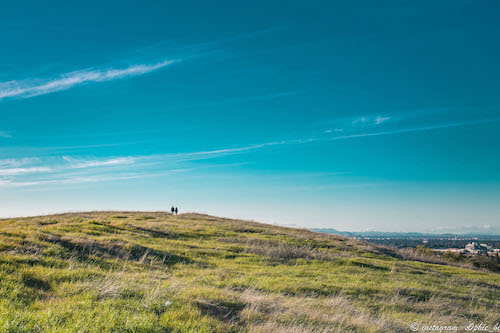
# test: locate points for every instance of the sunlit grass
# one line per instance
(153, 272)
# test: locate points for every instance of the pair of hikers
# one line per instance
(174, 210)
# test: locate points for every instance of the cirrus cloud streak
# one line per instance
(35, 87)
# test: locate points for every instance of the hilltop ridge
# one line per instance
(156, 272)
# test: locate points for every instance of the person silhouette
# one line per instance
(172, 210)
(176, 210)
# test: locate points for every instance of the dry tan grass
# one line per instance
(280, 313)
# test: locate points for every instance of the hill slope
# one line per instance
(154, 272)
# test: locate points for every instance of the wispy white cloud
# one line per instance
(358, 123)
(334, 130)
(361, 134)
(381, 119)
(34, 87)
(17, 162)
(370, 120)
(68, 180)
(400, 122)
(360, 120)
(4, 134)
(92, 163)
(221, 152)
(414, 129)
(70, 170)
(30, 172)
(19, 167)
(20, 171)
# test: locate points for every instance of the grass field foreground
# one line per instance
(154, 272)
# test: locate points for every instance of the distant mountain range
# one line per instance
(405, 235)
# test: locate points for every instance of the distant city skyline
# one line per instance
(352, 116)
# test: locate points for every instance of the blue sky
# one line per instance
(351, 115)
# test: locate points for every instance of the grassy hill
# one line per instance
(154, 272)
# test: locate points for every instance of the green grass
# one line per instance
(154, 272)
